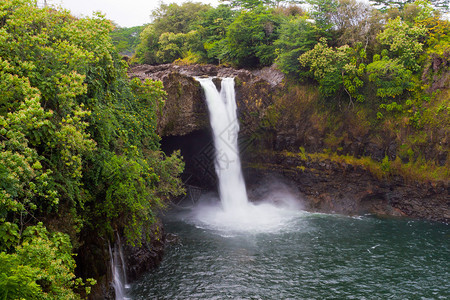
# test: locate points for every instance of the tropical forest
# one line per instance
(251, 149)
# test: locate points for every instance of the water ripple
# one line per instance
(320, 256)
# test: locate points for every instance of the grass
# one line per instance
(420, 170)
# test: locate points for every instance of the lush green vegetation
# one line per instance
(79, 153)
(411, 171)
(351, 49)
(126, 39)
(387, 61)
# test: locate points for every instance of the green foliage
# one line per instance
(170, 46)
(40, 267)
(77, 141)
(401, 4)
(297, 36)
(248, 4)
(163, 40)
(403, 42)
(126, 39)
(390, 77)
(148, 46)
(385, 164)
(212, 27)
(322, 10)
(24, 185)
(217, 35)
(250, 38)
(336, 68)
(251, 4)
(177, 18)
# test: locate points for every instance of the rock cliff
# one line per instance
(329, 186)
(185, 110)
(276, 117)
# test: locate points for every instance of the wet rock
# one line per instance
(185, 110)
(148, 256)
(340, 188)
(172, 239)
(218, 83)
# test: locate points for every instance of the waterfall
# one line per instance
(234, 214)
(118, 270)
(225, 127)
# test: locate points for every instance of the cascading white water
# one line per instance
(236, 213)
(225, 127)
(118, 270)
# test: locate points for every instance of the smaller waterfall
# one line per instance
(118, 270)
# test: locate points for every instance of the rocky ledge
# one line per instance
(160, 72)
(334, 187)
(185, 110)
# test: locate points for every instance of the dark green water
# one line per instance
(315, 256)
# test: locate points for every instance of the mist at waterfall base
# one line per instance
(271, 249)
(274, 209)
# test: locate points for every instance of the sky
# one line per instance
(125, 13)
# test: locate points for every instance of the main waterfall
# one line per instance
(225, 127)
(276, 206)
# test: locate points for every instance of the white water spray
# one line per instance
(225, 126)
(118, 270)
(236, 213)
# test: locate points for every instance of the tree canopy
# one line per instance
(79, 151)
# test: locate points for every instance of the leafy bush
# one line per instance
(78, 147)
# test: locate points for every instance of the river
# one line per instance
(315, 256)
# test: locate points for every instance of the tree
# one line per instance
(177, 18)
(297, 36)
(148, 46)
(172, 18)
(250, 4)
(126, 39)
(75, 135)
(322, 11)
(389, 75)
(400, 4)
(335, 69)
(364, 30)
(170, 46)
(250, 38)
(212, 28)
(40, 267)
(403, 41)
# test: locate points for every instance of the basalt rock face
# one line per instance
(148, 256)
(185, 109)
(334, 187)
(183, 112)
